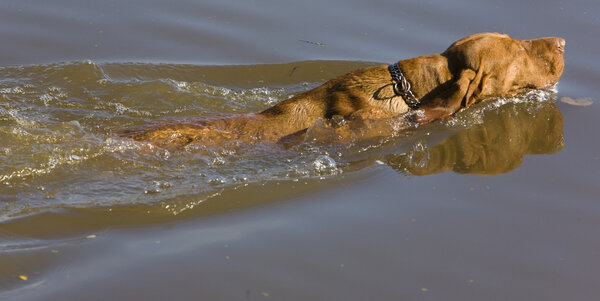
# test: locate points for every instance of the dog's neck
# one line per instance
(426, 74)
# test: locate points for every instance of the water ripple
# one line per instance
(59, 150)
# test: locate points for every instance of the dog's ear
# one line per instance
(462, 92)
(477, 84)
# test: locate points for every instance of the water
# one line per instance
(59, 123)
(498, 202)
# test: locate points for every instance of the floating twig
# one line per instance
(313, 43)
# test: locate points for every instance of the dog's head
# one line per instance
(501, 66)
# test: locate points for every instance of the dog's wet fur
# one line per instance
(474, 68)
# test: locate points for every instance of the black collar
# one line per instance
(402, 86)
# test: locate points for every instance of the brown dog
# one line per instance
(433, 87)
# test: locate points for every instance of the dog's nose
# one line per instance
(560, 44)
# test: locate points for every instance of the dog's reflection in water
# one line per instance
(495, 146)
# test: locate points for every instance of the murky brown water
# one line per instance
(497, 203)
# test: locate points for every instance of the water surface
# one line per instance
(498, 202)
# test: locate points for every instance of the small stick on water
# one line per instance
(313, 43)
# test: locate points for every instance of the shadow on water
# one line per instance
(495, 146)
